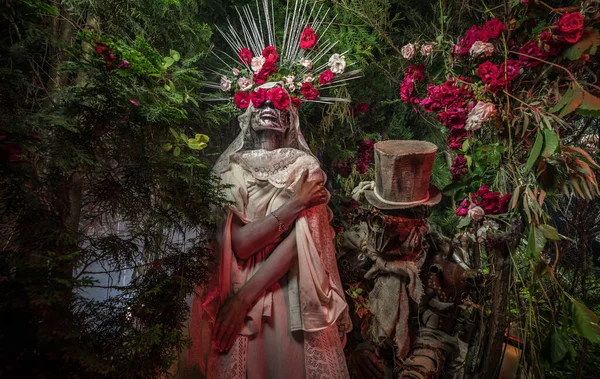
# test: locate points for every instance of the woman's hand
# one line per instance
(309, 193)
(229, 323)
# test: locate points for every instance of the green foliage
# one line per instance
(84, 120)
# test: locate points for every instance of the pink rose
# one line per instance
(426, 50)
(476, 212)
(408, 51)
(481, 48)
(479, 114)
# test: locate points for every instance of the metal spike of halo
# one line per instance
(305, 64)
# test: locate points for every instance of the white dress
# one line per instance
(297, 328)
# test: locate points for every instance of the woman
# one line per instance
(281, 309)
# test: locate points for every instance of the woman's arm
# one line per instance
(231, 315)
(250, 238)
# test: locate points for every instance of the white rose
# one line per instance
(245, 84)
(481, 48)
(257, 63)
(408, 51)
(337, 63)
(479, 114)
(476, 213)
(306, 63)
(308, 78)
(236, 71)
(426, 50)
(225, 83)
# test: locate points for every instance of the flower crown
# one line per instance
(303, 63)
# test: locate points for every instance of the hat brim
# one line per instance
(435, 196)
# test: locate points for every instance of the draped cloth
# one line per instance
(297, 327)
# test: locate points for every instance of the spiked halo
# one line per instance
(303, 64)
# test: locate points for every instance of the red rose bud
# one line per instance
(101, 48)
(270, 55)
(279, 98)
(124, 64)
(245, 56)
(241, 99)
(258, 97)
(326, 77)
(309, 92)
(296, 102)
(308, 38)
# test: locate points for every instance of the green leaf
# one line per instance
(574, 52)
(167, 147)
(174, 133)
(176, 151)
(168, 62)
(590, 106)
(588, 43)
(175, 55)
(585, 321)
(531, 250)
(465, 221)
(559, 346)
(549, 232)
(535, 152)
(202, 138)
(574, 102)
(452, 188)
(550, 142)
(540, 240)
(563, 100)
(195, 145)
(465, 145)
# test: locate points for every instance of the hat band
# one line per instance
(400, 203)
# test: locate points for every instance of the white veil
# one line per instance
(293, 136)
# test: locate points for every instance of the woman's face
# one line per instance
(267, 117)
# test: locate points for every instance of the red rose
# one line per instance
(264, 73)
(258, 97)
(494, 28)
(242, 99)
(279, 98)
(296, 102)
(245, 56)
(326, 77)
(454, 118)
(308, 38)
(308, 91)
(362, 107)
(270, 54)
(512, 69)
(570, 27)
(487, 71)
(532, 49)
